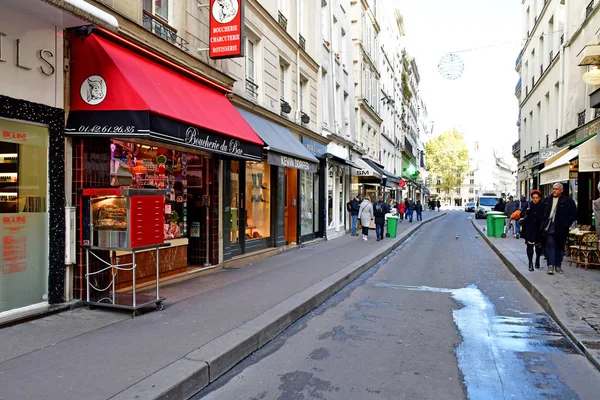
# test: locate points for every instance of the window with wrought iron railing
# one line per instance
(589, 9)
(157, 25)
(282, 20)
(581, 118)
(302, 42)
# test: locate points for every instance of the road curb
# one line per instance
(190, 374)
(539, 297)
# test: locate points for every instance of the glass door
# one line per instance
(237, 207)
(23, 215)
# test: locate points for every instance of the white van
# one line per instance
(485, 203)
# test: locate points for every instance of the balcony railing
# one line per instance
(302, 42)
(282, 21)
(161, 29)
(541, 69)
(589, 9)
(581, 118)
(551, 55)
(562, 38)
(526, 90)
(251, 88)
(516, 147)
(408, 146)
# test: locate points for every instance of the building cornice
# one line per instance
(365, 106)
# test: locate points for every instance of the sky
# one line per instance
(487, 35)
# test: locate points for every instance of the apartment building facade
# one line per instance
(558, 110)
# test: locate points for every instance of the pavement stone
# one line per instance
(572, 299)
(209, 322)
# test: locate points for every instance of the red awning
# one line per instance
(118, 92)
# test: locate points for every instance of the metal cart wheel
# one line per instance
(518, 236)
(160, 306)
(503, 235)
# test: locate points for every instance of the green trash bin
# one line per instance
(498, 222)
(490, 225)
(392, 225)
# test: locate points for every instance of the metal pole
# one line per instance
(157, 295)
(112, 277)
(133, 272)
(207, 263)
(87, 273)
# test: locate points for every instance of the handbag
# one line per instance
(548, 227)
(516, 215)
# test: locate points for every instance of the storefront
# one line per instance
(32, 154)
(558, 170)
(270, 203)
(137, 122)
(587, 180)
(366, 181)
(312, 194)
(390, 188)
(338, 190)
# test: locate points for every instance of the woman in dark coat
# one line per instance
(531, 228)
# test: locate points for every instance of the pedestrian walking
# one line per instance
(439, 205)
(406, 208)
(560, 212)
(365, 214)
(531, 228)
(411, 210)
(379, 211)
(353, 207)
(419, 209)
(511, 224)
(500, 205)
(401, 210)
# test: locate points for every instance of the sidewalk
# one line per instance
(209, 324)
(572, 299)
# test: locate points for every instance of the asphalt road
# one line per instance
(440, 318)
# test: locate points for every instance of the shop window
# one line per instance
(341, 201)
(307, 203)
(330, 191)
(178, 173)
(23, 214)
(258, 206)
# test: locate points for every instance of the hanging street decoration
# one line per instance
(451, 66)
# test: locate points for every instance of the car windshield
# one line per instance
(488, 201)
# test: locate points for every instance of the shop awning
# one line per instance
(364, 170)
(589, 156)
(120, 93)
(284, 149)
(558, 170)
(340, 160)
(390, 179)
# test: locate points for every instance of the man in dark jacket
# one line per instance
(559, 214)
(500, 206)
(379, 210)
(353, 207)
(410, 210)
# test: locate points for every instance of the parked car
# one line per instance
(470, 207)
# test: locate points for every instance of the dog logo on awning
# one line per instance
(93, 90)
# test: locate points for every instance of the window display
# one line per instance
(23, 214)
(258, 208)
(307, 203)
(138, 165)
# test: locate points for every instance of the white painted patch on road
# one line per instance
(502, 357)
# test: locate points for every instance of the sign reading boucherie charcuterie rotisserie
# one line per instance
(226, 37)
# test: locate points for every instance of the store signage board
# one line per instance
(317, 149)
(226, 36)
(290, 162)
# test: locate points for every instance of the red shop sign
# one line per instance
(226, 37)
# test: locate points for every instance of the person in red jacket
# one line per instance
(401, 210)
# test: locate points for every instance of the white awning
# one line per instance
(558, 170)
(589, 156)
(364, 169)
